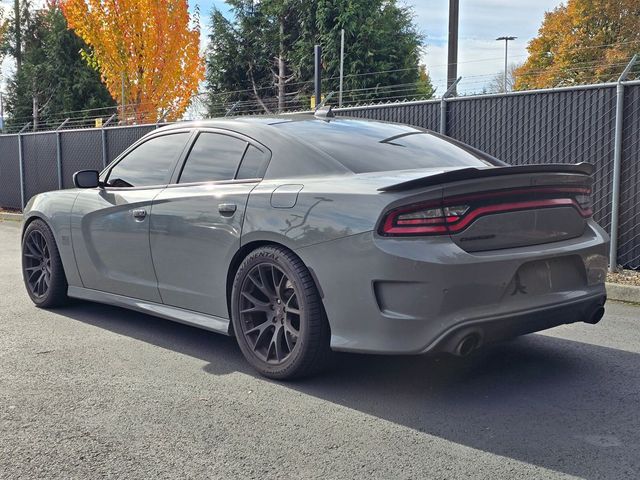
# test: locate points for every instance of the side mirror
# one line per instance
(86, 179)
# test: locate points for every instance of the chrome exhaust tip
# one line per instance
(467, 345)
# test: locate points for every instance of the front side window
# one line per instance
(150, 163)
(214, 157)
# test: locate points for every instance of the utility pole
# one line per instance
(281, 70)
(18, 36)
(35, 112)
(317, 78)
(35, 105)
(506, 55)
(1, 113)
(124, 115)
(452, 45)
(341, 66)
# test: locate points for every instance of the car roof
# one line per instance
(287, 148)
(248, 124)
(294, 140)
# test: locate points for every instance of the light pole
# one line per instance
(506, 50)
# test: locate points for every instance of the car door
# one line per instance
(196, 222)
(110, 225)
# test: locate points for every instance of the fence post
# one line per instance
(443, 106)
(233, 107)
(104, 140)
(59, 153)
(617, 164)
(21, 166)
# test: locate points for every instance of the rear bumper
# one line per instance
(480, 332)
(416, 295)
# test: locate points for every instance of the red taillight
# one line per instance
(422, 219)
(454, 214)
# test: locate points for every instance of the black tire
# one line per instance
(271, 317)
(42, 268)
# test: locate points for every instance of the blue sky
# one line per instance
(481, 21)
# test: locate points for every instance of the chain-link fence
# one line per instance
(565, 125)
(31, 163)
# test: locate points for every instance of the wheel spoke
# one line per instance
(40, 243)
(276, 341)
(277, 283)
(262, 336)
(290, 338)
(38, 284)
(256, 302)
(32, 249)
(256, 308)
(33, 274)
(260, 284)
(294, 311)
(259, 328)
(265, 279)
(255, 281)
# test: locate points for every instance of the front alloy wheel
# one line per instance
(42, 268)
(37, 264)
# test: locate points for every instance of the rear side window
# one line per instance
(363, 146)
(213, 157)
(253, 164)
(150, 163)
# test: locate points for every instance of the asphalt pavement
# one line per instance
(92, 391)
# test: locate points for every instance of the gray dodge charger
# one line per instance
(304, 234)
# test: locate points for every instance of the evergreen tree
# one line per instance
(52, 72)
(262, 59)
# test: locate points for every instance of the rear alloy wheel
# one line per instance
(278, 316)
(42, 267)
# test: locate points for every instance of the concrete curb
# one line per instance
(623, 293)
(16, 217)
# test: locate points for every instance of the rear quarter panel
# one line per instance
(324, 209)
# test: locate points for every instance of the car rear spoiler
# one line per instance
(473, 173)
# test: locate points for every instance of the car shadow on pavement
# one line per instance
(567, 406)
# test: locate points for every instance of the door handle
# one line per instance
(227, 209)
(139, 214)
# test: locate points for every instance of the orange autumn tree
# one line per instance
(149, 46)
(582, 41)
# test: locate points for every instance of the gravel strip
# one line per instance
(625, 277)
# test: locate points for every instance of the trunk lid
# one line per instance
(506, 207)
